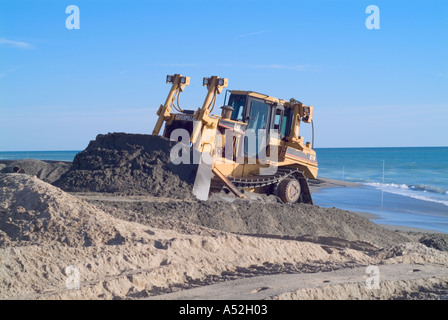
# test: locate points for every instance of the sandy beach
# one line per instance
(61, 240)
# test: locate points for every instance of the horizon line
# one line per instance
(376, 147)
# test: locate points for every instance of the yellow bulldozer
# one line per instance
(252, 146)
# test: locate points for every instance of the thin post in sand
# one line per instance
(382, 187)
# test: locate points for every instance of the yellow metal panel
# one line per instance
(256, 95)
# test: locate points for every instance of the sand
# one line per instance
(66, 240)
(262, 219)
(44, 230)
(398, 281)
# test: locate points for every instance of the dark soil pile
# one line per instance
(48, 171)
(261, 219)
(129, 164)
(436, 241)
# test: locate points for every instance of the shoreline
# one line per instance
(321, 183)
(316, 186)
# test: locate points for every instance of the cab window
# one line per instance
(258, 116)
(278, 121)
(258, 120)
(237, 102)
(287, 122)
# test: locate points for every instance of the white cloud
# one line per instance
(15, 44)
(178, 65)
(273, 66)
(10, 70)
(281, 66)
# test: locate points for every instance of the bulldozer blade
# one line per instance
(228, 183)
(201, 187)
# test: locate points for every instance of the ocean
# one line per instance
(400, 186)
(39, 155)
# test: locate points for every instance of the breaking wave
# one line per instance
(420, 192)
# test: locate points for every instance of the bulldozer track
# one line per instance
(258, 181)
(265, 180)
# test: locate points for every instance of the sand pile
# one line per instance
(34, 212)
(47, 233)
(436, 241)
(431, 288)
(263, 219)
(44, 230)
(48, 171)
(129, 164)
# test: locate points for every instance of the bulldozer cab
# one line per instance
(263, 114)
(273, 124)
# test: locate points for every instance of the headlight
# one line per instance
(184, 81)
(223, 82)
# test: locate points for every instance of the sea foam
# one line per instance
(420, 192)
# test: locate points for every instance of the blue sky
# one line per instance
(59, 88)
